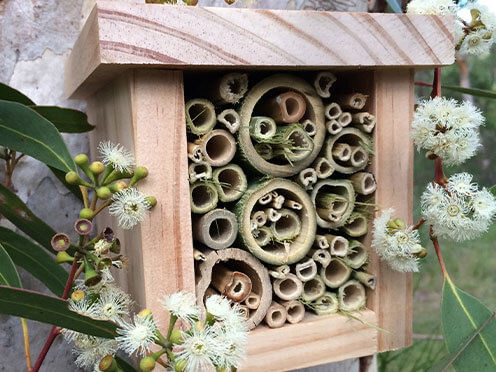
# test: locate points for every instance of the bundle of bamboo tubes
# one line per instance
(277, 169)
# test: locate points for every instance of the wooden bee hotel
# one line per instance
(271, 137)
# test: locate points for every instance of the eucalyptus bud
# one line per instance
(97, 167)
(108, 364)
(147, 364)
(144, 313)
(78, 295)
(180, 365)
(118, 186)
(139, 173)
(86, 213)
(151, 200)
(104, 193)
(176, 337)
(72, 178)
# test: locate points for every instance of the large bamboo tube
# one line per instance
(216, 229)
(200, 116)
(200, 171)
(252, 302)
(338, 245)
(230, 119)
(323, 168)
(314, 112)
(351, 137)
(262, 235)
(236, 260)
(203, 196)
(265, 150)
(287, 227)
(357, 255)
(235, 285)
(344, 189)
(354, 101)
(322, 256)
(351, 296)
(323, 83)
(230, 88)
(364, 121)
(326, 304)
(336, 273)
(275, 253)
(287, 107)
(230, 181)
(332, 111)
(289, 288)
(366, 279)
(364, 183)
(295, 311)
(357, 225)
(218, 147)
(307, 178)
(306, 270)
(276, 315)
(313, 289)
(262, 128)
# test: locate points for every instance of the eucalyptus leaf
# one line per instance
(472, 91)
(65, 120)
(52, 310)
(8, 93)
(125, 366)
(8, 272)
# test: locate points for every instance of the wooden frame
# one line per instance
(128, 63)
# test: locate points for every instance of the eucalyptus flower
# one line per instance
(477, 37)
(137, 337)
(130, 207)
(433, 7)
(116, 156)
(113, 305)
(182, 305)
(91, 350)
(200, 349)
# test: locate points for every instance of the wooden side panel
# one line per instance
(393, 168)
(144, 110)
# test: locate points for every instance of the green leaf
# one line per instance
(34, 259)
(10, 94)
(51, 310)
(462, 316)
(125, 366)
(24, 130)
(65, 120)
(8, 272)
(395, 5)
(471, 91)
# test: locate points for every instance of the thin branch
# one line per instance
(423, 84)
(420, 223)
(27, 352)
(435, 242)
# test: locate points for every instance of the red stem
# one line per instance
(420, 223)
(435, 242)
(423, 84)
(436, 84)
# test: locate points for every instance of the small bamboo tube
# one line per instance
(323, 168)
(195, 153)
(218, 147)
(210, 292)
(276, 315)
(306, 270)
(364, 121)
(198, 255)
(321, 242)
(364, 183)
(230, 181)
(353, 137)
(262, 128)
(339, 245)
(252, 302)
(322, 189)
(287, 227)
(259, 217)
(333, 127)
(351, 296)
(288, 107)
(200, 171)
(278, 201)
(354, 101)
(322, 256)
(357, 255)
(295, 311)
(326, 304)
(266, 199)
(341, 152)
(216, 229)
(313, 289)
(289, 288)
(357, 225)
(291, 204)
(203, 196)
(262, 235)
(280, 272)
(272, 214)
(244, 311)
(310, 127)
(323, 83)
(230, 119)
(235, 285)
(307, 178)
(344, 119)
(359, 157)
(366, 279)
(200, 116)
(332, 111)
(336, 273)
(294, 144)
(230, 88)
(265, 150)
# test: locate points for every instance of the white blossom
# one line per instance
(233, 348)
(137, 336)
(476, 43)
(435, 7)
(90, 350)
(461, 183)
(116, 156)
(487, 16)
(130, 207)
(182, 305)
(483, 204)
(113, 305)
(227, 313)
(200, 349)
(101, 247)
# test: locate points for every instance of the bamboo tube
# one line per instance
(230, 119)
(351, 296)
(262, 128)
(262, 235)
(364, 183)
(276, 315)
(341, 151)
(334, 204)
(289, 288)
(344, 119)
(200, 171)
(352, 137)
(291, 204)
(287, 227)
(321, 242)
(216, 229)
(332, 111)
(307, 178)
(195, 153)
(314, 112)
(357, 225)
(336, 273)
(359, 157)
(313, 289)
(323, 168)
(198, 255)
(244, 311)
(252, 302)
(354, 101)
(306, 270)
(265, 150)
(322, 256)
(310, 127)
(366, 279)
(266, 199)
(292, 143)
(323, 83)
(230, 88)
(280, 272)
(230, 181)
(218, 147)
(339, 245)
(364, 121)
(259, 217)
(333, 127)
(277, 201)
(344, 189)
(235, 285)
(295, 311)
(326, 304)
(275, 254)
(357, 255)
(200, 116)
(272, 214)
(287, 107)
(203, 196)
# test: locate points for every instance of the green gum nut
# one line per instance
(81, 160)
(180, 365)
(147, 364)
(104, 193)
(97, 167)
(86, 213)
(177, 337)
(152, 200)
(63, 256)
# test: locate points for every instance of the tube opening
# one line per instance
(220, 230)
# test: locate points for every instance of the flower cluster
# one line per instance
(447, 128)
(439, 7)
(477, 37)
(459, 210)
(398, 245)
